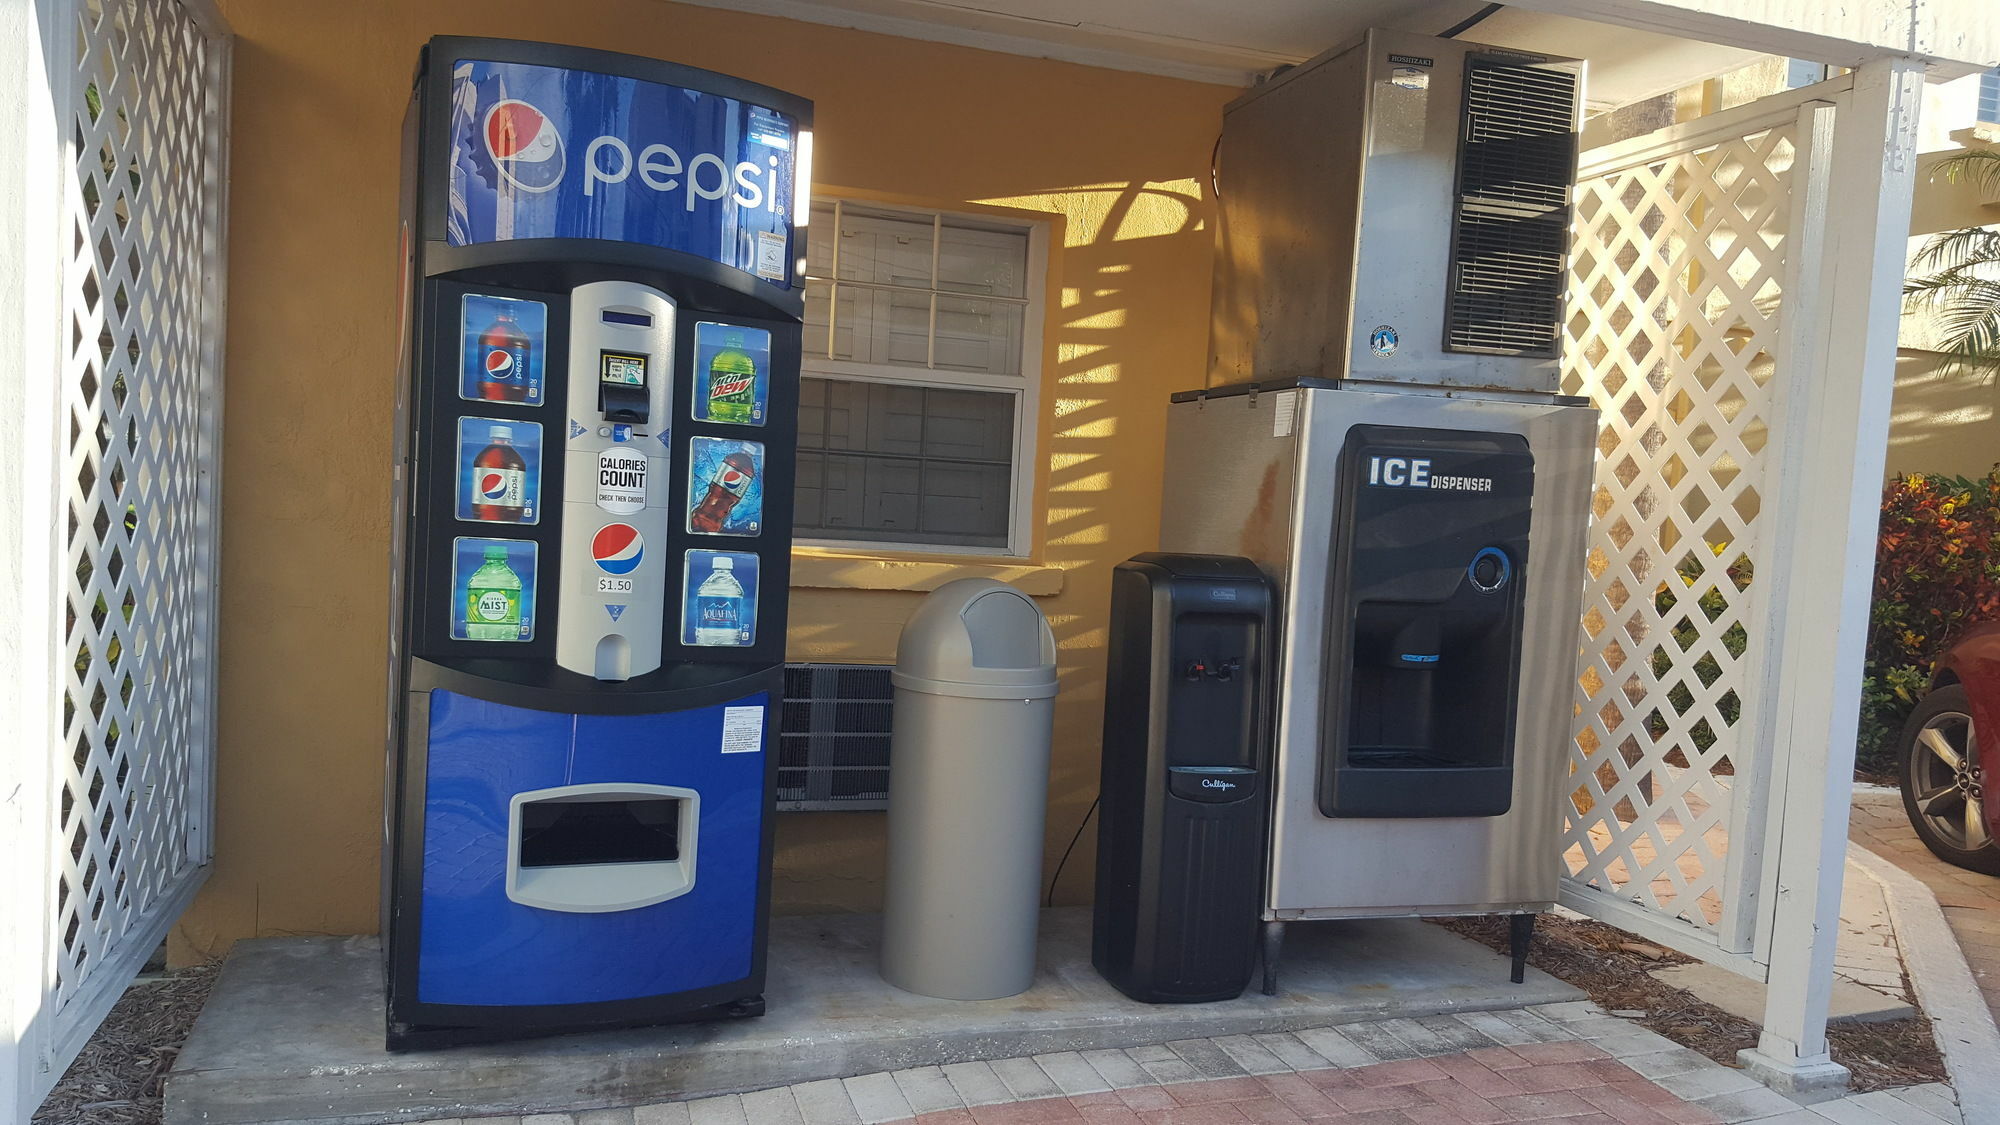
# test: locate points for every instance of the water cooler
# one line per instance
(594, 451)
(1384, 438)
(1185, 775)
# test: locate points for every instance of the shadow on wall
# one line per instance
(1944, 419)
(1105, 444)
(1111, 359)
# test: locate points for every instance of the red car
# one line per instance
(1941, 760)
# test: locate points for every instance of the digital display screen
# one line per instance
(642, 320)
(621, 369)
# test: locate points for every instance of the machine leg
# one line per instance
(1520, 931)
(1274, 939)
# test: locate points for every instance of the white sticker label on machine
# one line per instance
(621, 481)
(742, 730)
(1284, 411)
(771, 256)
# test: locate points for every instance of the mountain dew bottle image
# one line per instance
(732, 383)
(493, 600)
(719, 606)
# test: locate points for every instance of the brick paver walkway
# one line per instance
(1568, 1063)
(1971, 901)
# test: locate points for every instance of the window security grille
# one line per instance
(1510, 232)
(833, 744)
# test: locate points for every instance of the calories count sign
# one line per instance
(618, 549)
(546, 152)
(621, 481)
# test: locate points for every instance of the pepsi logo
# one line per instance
(492, 486)
(618, 548)
(525, 145)
(499, 364)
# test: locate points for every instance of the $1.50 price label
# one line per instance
(614, 585)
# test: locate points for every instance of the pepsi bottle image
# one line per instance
(504, 355)
(499, 479)
(725, 489)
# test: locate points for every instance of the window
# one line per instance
(1804, 72)
(1989, 97)
(917, 407)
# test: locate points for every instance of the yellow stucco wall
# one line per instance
(1117, 162)
(1945, 419)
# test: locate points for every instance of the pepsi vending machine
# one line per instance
(602, 293)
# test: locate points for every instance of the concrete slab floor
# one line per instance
(1868, 980)
(293, 1031)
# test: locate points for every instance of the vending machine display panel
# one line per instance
(733, 363)
(500, 470)
(495, 583)
(503, 348)
(725, 486)
(719, 599)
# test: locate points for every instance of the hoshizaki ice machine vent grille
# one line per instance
(833, 744)
(1516, 157)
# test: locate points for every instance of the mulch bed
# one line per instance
(1593, 957)
(119, 1076)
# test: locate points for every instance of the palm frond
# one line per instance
(1953, 249)
(1946, 284)
(1977, 165)
(1955, 278)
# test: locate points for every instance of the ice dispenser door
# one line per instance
(1425, 639)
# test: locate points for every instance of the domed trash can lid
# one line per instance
(978, 639)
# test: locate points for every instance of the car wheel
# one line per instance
(1939, 768)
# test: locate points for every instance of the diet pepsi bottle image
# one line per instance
(725, 490)
(504, 355)
(499, 479)
(719, 606)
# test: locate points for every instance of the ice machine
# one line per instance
(1383, 434)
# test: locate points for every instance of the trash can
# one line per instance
(975, 683)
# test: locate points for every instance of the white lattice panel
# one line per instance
(141, 207)
(1678, 276)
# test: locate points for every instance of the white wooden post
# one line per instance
(32, 33)
(1840, 404)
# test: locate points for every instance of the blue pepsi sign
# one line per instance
(547, 152)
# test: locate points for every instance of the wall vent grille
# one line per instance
(833, 741)
(1510, 228)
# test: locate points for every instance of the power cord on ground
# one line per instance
(1050, 898)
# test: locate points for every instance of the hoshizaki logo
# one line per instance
(525, 146)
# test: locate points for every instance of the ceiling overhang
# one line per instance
(1234, 43)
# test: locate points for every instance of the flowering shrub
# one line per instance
(1937, 571)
